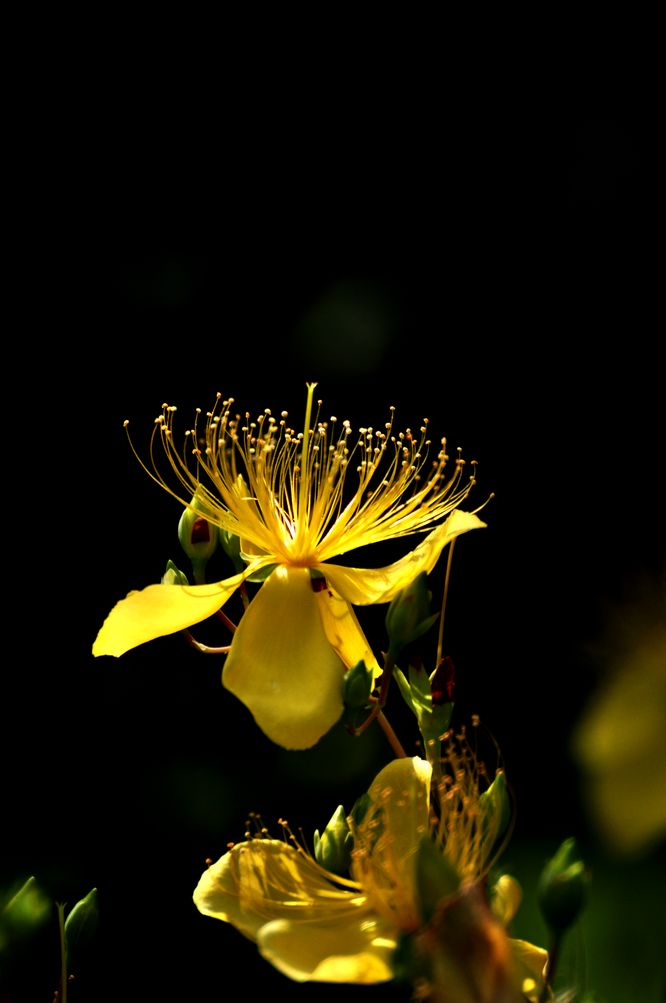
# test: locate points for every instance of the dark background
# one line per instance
(493, 268)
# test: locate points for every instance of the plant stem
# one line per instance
(206, 649)
(394, 741)
(221, 615)
(385, 680)
(440, 636)
(551, 965)
(63, 952)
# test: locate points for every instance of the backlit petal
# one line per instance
(267, 879)
(363, 586)
(357, 949)
(529, 962)
(387, 839)
(163, 609)
(281, 664)
(505, 898)
(344, 631)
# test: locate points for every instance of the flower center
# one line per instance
(304, 497)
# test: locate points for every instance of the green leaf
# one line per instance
(80, 927)
(436, 879)
(404, 687)
(27, 909)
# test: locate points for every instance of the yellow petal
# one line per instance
(344, 631)
(621, 744)
(529, 964)
(505, 898)
(267, 879)
(387, 839)
(355, 949)
(161, 609)
(281, 664)
(363, 586)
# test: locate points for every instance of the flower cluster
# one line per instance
(401, 886)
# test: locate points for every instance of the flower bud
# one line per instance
(562, 887)
(408, 616)
(197, 536)
(173, 575)
(230, 544)
(357, 686)
(332, 849)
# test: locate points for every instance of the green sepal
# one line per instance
(404, 687)
(230, 544)
(262, 574)
(436, 879)
(360, 809)
(433, 719)
(333, 848)
(495, 806)
(408, 616)
(357, 686)
(80, 927)
(173, 575)
(562, 887)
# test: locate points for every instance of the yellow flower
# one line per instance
(316, 926)
(282, 493)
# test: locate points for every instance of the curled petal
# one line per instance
(281, 664)
(163, 609)
(344, 632)
(268, 879)
(379, 585)
(387, 839)
(529, 964)
(505, 898)
(357, 950)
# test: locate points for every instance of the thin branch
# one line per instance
(204, 648)
(394, 741)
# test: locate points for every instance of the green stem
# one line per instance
(204, 648)
(63, 952)
(394, 741)
(385, 680)
(551, 966)
(440, 636)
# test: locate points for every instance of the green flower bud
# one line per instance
(230, 544)
(562, 887)
(333, 848)
(173, 575)
(197, 536)
(357, 686)
(409, 616)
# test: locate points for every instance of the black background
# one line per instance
(488, 262)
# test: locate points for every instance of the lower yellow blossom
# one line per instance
(313, 925)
